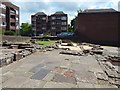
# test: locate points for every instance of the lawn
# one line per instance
(44, 43)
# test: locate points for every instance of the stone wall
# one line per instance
(15, 38)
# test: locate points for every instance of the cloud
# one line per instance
(29, 7)
(119, 6)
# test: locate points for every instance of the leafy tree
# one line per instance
(80, 10)
(26, 29)
(70, 29)
(73, 24)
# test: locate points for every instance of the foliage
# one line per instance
(47, 35)
(80, 11)
(26, 29)
(70, 29)
(9, 33)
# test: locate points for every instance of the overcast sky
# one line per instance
(70, 7)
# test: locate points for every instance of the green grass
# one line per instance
(44, 43)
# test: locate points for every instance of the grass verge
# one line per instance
(44, 43)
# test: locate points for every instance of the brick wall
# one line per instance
(98, 27)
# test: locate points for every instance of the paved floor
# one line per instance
(52, 70)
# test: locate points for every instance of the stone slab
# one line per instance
(49, 77)
(61, 78)
(36, 68)
(15, 82)
(40, 74)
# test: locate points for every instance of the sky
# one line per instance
(70, 7)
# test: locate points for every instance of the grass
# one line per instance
(44, 43)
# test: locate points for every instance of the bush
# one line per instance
(9, 33)
(1, 32)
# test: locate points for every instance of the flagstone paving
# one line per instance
(53, 70)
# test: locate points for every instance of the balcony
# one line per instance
(12, 20)
(12, 28)
(12, 12)
(3, 10)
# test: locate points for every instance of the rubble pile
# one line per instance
(69, 52)
(108, 61)
(111, 68)
(15, 51)
(6, 59)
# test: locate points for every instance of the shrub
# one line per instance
(9, 33)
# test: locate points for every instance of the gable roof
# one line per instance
(40, 13)
(59, 13)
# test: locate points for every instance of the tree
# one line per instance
(73, 24)
(80, 10)
(26, 29)
(70, 29)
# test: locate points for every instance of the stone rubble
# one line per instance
(14, 52)
(69, 52)
(107, 73)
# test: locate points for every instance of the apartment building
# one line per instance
(99, 26)
(9, 17)
(57, 23)
(53, 24)
(39, 23)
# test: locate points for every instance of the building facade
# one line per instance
(9, 17)
(57, 23)
(98, 26)
(53, 24)
(39, 23)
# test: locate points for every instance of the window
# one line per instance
(53, 23)
(58, 18)
(16, 11)
(12, 24)
(63, 23)
(43, 18)
(33, 29)
(33, 18)
(17, 27)
(12, 11)
(33, 22)
(53, 28)
(13, 16)
(2, 14)
(64, 18)
(17, 23)
(58, 23)
(63, 28)
(43, 28)
(53, 18)
(17, 18)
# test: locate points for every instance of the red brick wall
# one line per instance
(99, 27)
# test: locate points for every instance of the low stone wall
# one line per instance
(15, 38)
